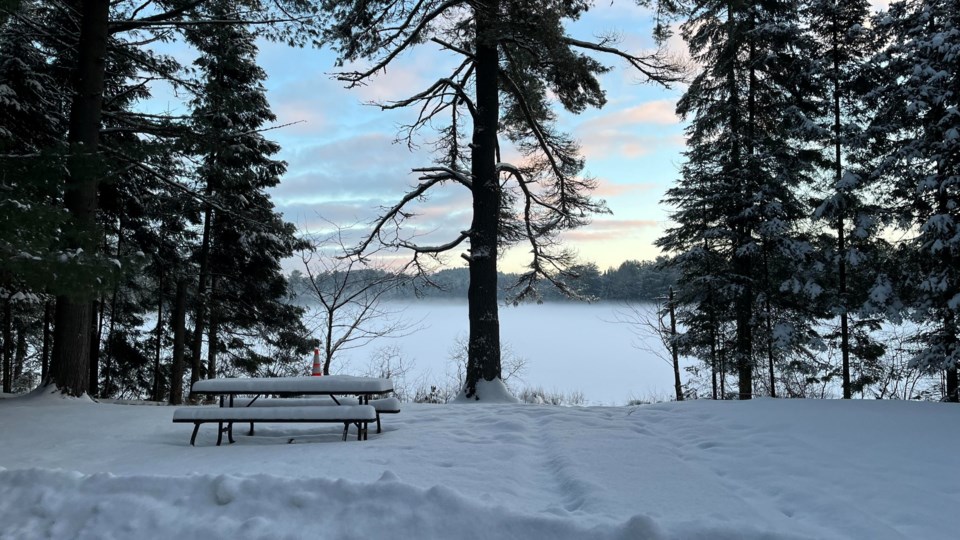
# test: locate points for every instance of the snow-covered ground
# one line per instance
(71, 468)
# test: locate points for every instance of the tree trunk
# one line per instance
(674, 349)
(70, 366)
(213, 339)
(201, 301)
(20, 356)
(742, 264)
(769, 321)
(483, 352)
(47, 338)
(713, 358)
(94, 387)
(108, 368)
(7, 345)
(156, 360)
(70, 369)
(179, 330)
(841, 240)
(953, 385)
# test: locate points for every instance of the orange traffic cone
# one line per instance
(317, 369)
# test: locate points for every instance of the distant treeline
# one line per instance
(637, 281)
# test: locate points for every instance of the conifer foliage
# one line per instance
(815, 132)
(512, 55)
(103, 230)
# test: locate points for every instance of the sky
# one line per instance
(344, 164)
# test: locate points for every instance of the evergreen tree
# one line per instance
(917, 114)
(843, 43)
(240, 286)
(514, 53)
(738, 200)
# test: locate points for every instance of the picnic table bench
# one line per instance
(390, 405)
(358, 415)
(357, 409)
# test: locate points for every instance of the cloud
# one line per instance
(608, 189)
(597, 146)
(657, 112)
(610, 229)
(629, 132)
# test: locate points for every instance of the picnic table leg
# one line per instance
(219, 433)
(230, 433)
(346, 428)
(251, 429)
(193, 438)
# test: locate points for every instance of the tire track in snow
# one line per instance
(574, 492)
(750, 465)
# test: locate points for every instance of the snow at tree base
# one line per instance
(772, 469)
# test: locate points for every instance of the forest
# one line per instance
(817, 202)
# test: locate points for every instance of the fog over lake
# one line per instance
(568, 347)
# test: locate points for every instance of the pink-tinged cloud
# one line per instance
(607, 189)
(610, 229)
(602, 145)
(659, 112)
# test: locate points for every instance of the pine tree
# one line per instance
(739, 242)
(513, 53)
(240, 285)
(921, 126)
(86, 44)
(843, 43)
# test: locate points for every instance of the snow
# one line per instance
(490, 392)
(331, 383)
(772, 469)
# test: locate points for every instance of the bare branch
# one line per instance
(351, 312)
(356, 78)
(434, 176)
(537, 130)
(431, 93)
(163, 18)
(452, 47)
(653, 67)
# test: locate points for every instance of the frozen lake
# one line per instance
(567, 347)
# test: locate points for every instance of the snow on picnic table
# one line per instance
(71, 468)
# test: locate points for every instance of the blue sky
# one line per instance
(343, 164)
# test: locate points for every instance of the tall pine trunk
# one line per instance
(202, 300)
(7, 345)
(157, 395)
(841, 235)
(20, 355)
(742, 264)
(483, 356)
(47, 338)
(70, 369)
(96, 307)
(179, 334)
(108, 350)
(674, 348)
(213, 339)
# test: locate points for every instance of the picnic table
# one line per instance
(332, 385)
(354, 410)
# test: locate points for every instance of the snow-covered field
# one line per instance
(566, 347)
(71, 468)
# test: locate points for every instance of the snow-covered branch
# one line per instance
(431, 177)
